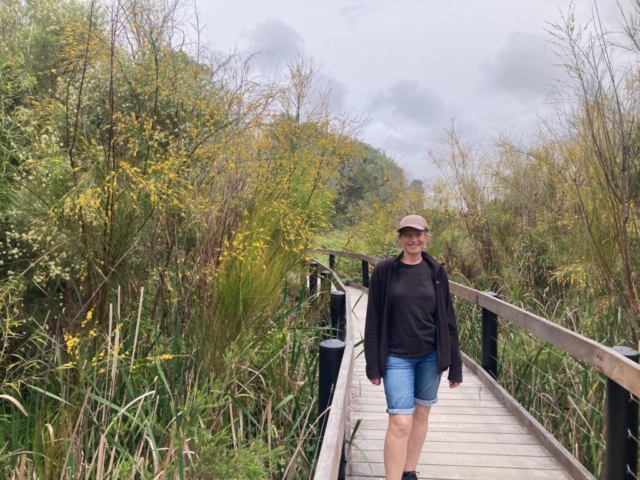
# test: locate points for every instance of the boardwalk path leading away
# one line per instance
(471, 435)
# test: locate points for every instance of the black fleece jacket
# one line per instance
(376, 331)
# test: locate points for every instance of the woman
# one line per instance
(411, 337)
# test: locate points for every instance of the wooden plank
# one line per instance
(446, 409)
(469, 460)
(484, 448)
(369, 425)
(363, 385)
(462, 291)
(488, 420)
(467, 387)
(449, 400)
(361, 470)
(568, 461)
(340, 253)
(357, 286)
(521, 438)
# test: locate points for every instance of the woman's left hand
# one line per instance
(453, 384)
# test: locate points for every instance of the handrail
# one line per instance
(604, 359)
(330, 454)
(341, 253)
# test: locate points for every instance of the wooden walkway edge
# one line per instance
(472, 435)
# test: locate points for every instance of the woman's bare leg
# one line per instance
(395, 445)
(419, 427)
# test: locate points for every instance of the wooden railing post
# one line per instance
(621, 412)
(331, 460)
(325, 301)
(365, 274)
(325, 281)
(338, 314)
(490, 340)
(313, 278)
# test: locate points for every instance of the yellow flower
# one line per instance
(164, 356)
(72, 343)
(87, 318)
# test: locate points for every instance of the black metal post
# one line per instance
(313, 278)
(332, 262)
(365, 273)
(342, 471)
(621, 413)
(338, 314)
(490, 340)
(331, 352)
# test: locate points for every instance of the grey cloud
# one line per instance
(524, 68)
(338, 93)
(409, 101)
(275, 42)
(409, 117)
(405, 143)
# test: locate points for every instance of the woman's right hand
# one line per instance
(376, 381)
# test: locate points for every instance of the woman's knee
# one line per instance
(421, 413)
(400, 425)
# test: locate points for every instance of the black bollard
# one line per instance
(338, 314)
(313, 278)
(332, 262)
(490, 340)
(365, 274)
(621, 413)
(331, 352)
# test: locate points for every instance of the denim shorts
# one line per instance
(411, 380)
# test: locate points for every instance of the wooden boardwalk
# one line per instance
(471, 434)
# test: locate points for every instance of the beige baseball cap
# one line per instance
(414, 221)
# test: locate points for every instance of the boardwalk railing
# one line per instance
(328, 463)
(623, 373)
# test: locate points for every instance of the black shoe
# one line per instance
(410, 475)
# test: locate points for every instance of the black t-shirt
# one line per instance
(412, 326)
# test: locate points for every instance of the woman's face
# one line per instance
(412, 240)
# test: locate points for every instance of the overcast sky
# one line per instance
(410, 65)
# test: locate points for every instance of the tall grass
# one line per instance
(124, 403)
